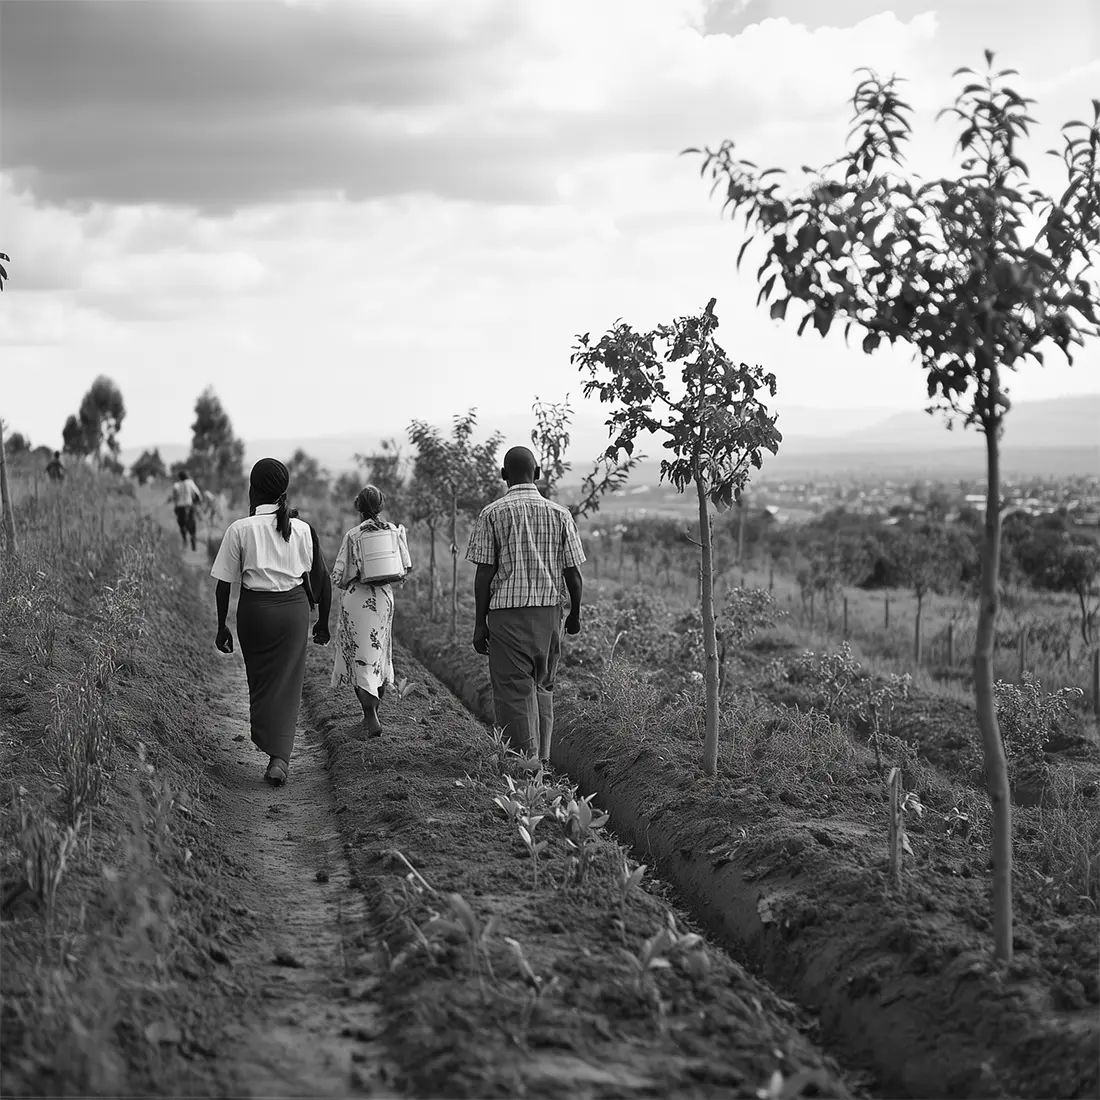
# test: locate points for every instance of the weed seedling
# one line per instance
(957, 822)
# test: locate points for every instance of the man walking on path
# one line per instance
(184, 496)
(523, 546)
(55, 468)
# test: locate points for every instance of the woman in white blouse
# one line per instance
(277, 560)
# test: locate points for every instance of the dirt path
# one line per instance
(303, 958)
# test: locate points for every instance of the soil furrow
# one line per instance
(546, 999)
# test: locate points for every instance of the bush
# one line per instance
(1028, 716)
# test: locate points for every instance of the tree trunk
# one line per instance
(917, 637)
(996, 769)
(1083, 597)
(5, 500)
(454, 566)
(431, 572)
(710, 640)
(740, 531)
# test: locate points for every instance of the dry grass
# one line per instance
(90, 848)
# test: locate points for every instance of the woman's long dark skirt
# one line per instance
(272, 628)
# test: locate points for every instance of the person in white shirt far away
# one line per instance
(184, 496)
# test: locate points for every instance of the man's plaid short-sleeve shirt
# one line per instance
(531, 541)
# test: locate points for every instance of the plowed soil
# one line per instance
(791, 876)
(416, 809)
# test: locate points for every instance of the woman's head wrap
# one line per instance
(269, 480)
(370, 501)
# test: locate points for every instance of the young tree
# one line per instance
(216, 460)
(97, 422)
(307, 476)
(17, 444)
(104, 408)
(387, 469)
(717, 429)
(550, 440)
(425, 504)
(148, 467)
(924, 562)
(78, 438)
(463, 475)
(1076, 568)
(345, 488)
(5, 499)
(974, 272)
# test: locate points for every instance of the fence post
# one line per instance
(951, 644)
(1096, 681)
(886, 624)
(845, 616)
(771, 578)
(1022, 649)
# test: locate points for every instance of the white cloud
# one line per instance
(417, 296)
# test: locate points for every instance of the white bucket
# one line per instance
(379, 554)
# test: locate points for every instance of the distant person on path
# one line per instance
(55, 468)
(184, 496)
(523, 545)
(364, 634)
(277, 560)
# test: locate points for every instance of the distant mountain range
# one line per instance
(1058, 437)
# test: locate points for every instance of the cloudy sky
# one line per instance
(346, 214)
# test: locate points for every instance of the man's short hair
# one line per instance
(519, 463)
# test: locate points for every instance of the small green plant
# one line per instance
(511, 806)
(463, 923)
(626, 882)
(506, 758)
(831, 675)
(537, 987)
(81, 735)
(656, 953)
(955, 821)
(581, 826)
(1027, 716)
(746, 612)
(403, 689)
(877, 708)
(45, 849)
(526, 824)
(652, 956)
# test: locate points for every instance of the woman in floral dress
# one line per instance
(364, 646)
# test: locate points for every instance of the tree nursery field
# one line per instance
(784, 857)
